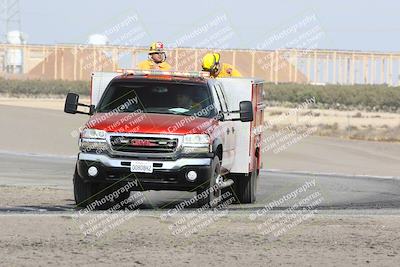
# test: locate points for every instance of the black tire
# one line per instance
(206, 198)
(85, 193)
(246, 187)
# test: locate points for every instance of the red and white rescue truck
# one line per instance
(169, 130)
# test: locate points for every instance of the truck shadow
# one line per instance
(38, 208)
(179, 201)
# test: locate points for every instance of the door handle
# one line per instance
(233, 130)
(227, 131)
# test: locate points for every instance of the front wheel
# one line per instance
(92, 195)
(210, 194)
(85, 193)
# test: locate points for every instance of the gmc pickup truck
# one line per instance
(169, 131)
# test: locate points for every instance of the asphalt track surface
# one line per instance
(339, 192)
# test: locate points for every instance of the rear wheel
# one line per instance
(247, 186)
(210, 195)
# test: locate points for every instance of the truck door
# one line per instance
(226, 130)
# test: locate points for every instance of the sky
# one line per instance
(250, 24)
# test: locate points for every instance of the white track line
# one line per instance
(38, 155)
(332, 174)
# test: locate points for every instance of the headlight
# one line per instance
(91, 145)
(196, 143)
(190, 139)
(93, 140)
(93, 134)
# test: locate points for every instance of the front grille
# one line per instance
(135, 144)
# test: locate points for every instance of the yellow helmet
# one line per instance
(211, 62)
(156, 47)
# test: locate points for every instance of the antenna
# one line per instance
(10, 17)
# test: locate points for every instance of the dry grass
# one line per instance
(360, 125)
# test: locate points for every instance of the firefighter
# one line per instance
(212, 64)
(156, 60)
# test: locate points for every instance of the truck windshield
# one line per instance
(158, 97)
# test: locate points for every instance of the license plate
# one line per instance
(142, 166)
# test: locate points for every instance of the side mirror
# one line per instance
(72, 103)
(246, 111)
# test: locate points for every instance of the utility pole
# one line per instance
(10, 17)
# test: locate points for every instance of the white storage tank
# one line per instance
(14, 56)
(98, 39)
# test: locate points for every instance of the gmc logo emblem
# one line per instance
(141, 142)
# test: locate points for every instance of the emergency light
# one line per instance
(189, 74)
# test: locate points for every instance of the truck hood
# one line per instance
(150, 123)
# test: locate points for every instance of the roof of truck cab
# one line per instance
(194, 76)
(163, 78)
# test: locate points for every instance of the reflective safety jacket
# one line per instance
(151, 65)
(228, 71)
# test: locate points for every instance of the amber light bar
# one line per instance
(190, 74)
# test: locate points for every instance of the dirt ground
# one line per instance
(56, 236)
(35, 196)
(53, 103)
(144, 240)
(343, 118)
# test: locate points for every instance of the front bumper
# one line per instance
(167, 174)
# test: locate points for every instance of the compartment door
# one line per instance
(99, 83)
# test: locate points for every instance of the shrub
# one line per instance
(370, 97)
(43, 87)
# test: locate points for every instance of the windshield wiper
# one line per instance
(169, 112)
(184, 114)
